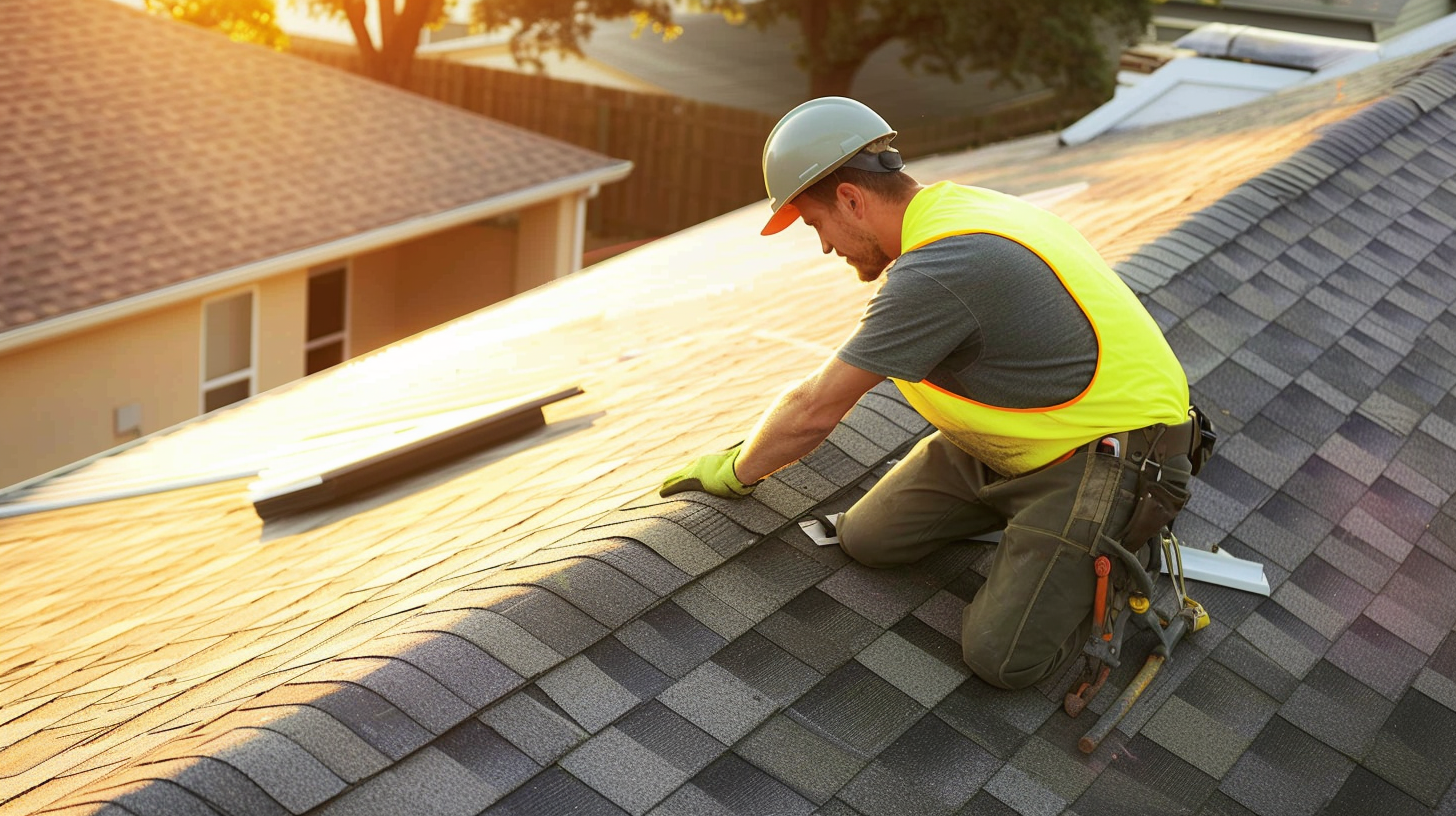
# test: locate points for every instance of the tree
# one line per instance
(399, 23)
(1059, 42)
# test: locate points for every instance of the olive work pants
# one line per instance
(1034, 613)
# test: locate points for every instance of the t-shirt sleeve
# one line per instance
(910, 326)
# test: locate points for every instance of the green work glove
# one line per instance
(712, 473)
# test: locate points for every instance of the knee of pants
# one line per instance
(989, 664)
(1011, 666)
(859, 543)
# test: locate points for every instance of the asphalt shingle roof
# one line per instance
(136, 153)
(534, 631)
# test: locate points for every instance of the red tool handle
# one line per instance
(1103, 567)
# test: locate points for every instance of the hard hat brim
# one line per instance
(786, 215)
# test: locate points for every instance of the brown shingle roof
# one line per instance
(136, 153)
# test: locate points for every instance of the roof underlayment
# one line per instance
(531, 630)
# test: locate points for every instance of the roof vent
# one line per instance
(1265, 46)
(302, 482)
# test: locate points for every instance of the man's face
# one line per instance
(844, 235)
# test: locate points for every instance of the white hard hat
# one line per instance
(815, 139)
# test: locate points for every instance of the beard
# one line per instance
(868, 260)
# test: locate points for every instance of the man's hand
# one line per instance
(712, 473)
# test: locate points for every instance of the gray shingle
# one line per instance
(629, 670)
(671, 639)
(665, 733)
(748, 791)
(919, 674)
(588, 694)
(1147, 779)
(819, 630)
(719, 703)
(1376, 657)
(931, 768)
(457, 664)
(219, 784)
(565, 629)
(157, 799)
(289, 774)
(426, 779)
(554, 791)
(1364, 793)
(601, 591)
(481, 750)
(1416, 748)
(497, 635)
(543, 732)
(343, 751)
(616, 766)
(1211, 746)
(815, 767)
(1286, 772)
(404, 686)
(765, 667)
(859, 709)
(370, 716)
(1336, 709)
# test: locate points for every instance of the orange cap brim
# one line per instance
(786, 215)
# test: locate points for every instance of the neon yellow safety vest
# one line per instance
(1137, 382)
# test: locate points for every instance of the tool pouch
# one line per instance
(1203, 441)
(1157, 504)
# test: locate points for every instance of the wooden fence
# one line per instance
(692, 160)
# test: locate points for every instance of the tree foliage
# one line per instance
(1059, 42)
(252, 21)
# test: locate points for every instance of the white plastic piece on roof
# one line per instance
(1182, 88)
(1224, 570)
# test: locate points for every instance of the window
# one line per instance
(227, 350)
(328, 294)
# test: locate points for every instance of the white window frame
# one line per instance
(341, 336)
(251, 372)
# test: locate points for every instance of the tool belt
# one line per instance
(1147, 449)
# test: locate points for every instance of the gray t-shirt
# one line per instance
(980, 316)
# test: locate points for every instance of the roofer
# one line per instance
(1056, 399)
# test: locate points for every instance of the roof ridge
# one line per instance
(1342, 143)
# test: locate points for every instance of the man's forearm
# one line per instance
(787, 431)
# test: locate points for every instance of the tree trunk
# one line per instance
(835, 80)
(827, 76)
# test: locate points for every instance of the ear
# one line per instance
(851, 199)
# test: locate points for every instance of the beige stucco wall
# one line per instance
(57, 399)
(403, 290)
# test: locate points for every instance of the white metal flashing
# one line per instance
(304, 258)
(1220, 568)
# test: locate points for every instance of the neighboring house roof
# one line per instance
(741, 66)
(140, 154)
(532, 630)
(1384, 11)
(1238, 64)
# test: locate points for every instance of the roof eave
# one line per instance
(72, 322)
